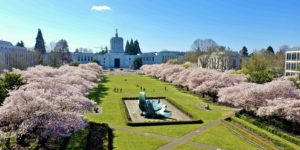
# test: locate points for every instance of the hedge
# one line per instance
(250, 136)
(270, 129)
(155, 123)
(285, 125)
(273, 138)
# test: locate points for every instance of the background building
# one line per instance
(292, 62)
(15, 57)
(117, 58)
(221, 60)
(160, 57)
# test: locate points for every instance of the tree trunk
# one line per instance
(7, 143)
(42, 142)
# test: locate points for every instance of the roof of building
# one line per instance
(5, 43)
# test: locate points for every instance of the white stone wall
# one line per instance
(84, 58)
(16, 57)
(222, 60)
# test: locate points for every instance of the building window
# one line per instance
(289, 56)
(293, 56)
(293, 66)
(288, 66)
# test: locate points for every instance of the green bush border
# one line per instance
(270, 129)
(261, 132)
(248, 135)
(155, 123)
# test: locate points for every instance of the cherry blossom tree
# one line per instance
(277, 98)
(252, 96)
(286, 108)
(51, 104)
(199, 80)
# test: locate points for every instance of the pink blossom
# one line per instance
(52, 102)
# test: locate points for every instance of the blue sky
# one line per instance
(157, 24)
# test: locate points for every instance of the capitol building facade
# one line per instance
(117, 58)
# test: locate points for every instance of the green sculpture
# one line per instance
(152, 108)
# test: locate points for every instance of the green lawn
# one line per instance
(113, 112)
(130, 141)
(224, 138)
(187, 147)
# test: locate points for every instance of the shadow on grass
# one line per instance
(99, 92)
(94, 136)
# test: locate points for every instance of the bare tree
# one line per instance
(62, 50)
(203, 45)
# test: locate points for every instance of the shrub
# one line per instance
(74, 64)
(9, 81)
(270, 129)
(263, 133)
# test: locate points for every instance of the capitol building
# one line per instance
(117, 58)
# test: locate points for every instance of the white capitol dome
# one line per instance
(116, 44)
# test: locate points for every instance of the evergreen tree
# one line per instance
(131, 47)
(127, 47)
(270, 50)
(137, 63)
(137, 48)
(244, 51)
(40, 43)
(39, 47)
(20, 44)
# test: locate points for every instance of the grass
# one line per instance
(222, 137)
(113, 113)
(187, 147)
(133, 141)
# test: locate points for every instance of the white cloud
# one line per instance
(100, 8)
